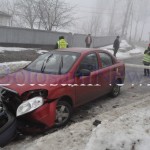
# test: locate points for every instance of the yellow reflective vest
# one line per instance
(146, 58)
(62, 43)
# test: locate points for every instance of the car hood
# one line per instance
(24, 80)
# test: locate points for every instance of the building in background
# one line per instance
(5, 19)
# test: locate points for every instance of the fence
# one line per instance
(10, 36)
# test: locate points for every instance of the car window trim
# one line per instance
(101, 60)
(87, 55)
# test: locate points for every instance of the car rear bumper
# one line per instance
(8, 131)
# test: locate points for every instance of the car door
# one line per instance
(87, 89)
(106, 72)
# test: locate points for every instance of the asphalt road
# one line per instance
(135, 76)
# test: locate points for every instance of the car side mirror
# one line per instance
(83, 73)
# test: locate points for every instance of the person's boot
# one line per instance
(148, 72)
(145, 72)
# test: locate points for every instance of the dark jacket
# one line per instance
(116, 44)
(86, 40)
(147, 51)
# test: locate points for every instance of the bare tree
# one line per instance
(131, 26)
(93, 26)
(54, 14)
(112, 18)
(27, 12)
(127, 15)
(144, 17)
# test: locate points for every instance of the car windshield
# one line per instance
(54, 62)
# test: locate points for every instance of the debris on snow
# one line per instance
(96, 123)
(129, 131)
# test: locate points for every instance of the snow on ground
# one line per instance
(42, 51)
(15, 49)
(125, 50)
(130, 131)
(77, 135)
(125, 44)
(18, 49)
(6, 68)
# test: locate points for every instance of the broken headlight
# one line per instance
(30, 105)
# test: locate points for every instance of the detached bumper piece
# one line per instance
(8, 126)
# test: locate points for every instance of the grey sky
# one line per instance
(87, 9)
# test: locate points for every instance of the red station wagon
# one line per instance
(48, 89)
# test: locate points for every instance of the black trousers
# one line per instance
(88, 45)
(115, 51)
(146, 71)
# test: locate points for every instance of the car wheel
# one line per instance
(63, 113)
(115, 91)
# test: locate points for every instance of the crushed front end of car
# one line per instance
(33, 111)
(8, 125)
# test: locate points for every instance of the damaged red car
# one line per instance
(48, 89)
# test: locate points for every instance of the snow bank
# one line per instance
(9, 67)
(130, 131)
(125, 44)
(18, 49)
(137, 50)
(42, 51)
(14, 49)
(125, 50)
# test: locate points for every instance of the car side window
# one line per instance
(106, 60)
(90, 62)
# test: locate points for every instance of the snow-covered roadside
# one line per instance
(18, 49)
(77, 135)
(9, 67)
(130, 131)
(124, 51)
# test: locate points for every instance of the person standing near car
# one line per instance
(116, 45)
(61, 43)
(88, 41)
(146, 61)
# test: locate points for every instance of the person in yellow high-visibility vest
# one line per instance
(62, 43)
(146, 61)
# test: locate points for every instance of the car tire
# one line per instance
(63, 113)
(115, 90)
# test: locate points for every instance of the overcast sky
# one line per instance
(87, 8)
